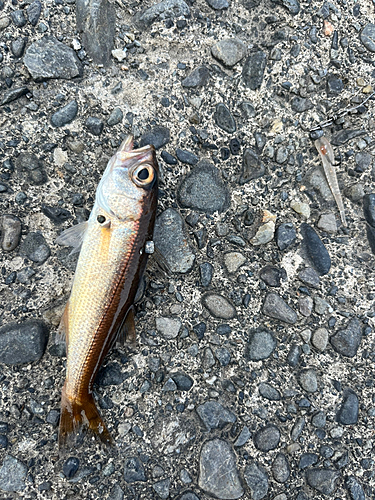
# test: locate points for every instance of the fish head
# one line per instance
(129, 184)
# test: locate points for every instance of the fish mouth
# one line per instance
(134, 157)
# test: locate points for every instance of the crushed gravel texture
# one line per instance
(253, 372)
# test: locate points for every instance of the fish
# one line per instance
(325, 151)
(114, 246)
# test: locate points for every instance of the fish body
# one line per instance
(110, 266)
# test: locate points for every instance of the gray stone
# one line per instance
(280, 468)
(253, 70)
(116, 493)
(267, 438)
(223, 356)
(18, 46)
(308, 380)
(48, 58)
(157, 136)
(269, 392)
(168, 9)
(308, 459)
(300, 104)
(28, 163)
(252, 167)
(257, 480)
(162, 488)
(197, 78)
(65, 115)
(33, 12)
(298, 428)
(322, 480)
(260, 346)
(229, 51)
(367, 37)
(218, 474)
(134, 470)
(285, 235)
(214, 415)
(12, 474)
(345, 135)
(206, 272)
(315, 250)
(188, 495)
(169, 328)
(292, 6)
(347, 414)
(320, 339)
(355, 488)
(218, 4)
(319, 420)
(171, 241)
(272, 275)
(310, 277)
(115, 117)
(327, 223)
(369, 208)
(10, 228)
(186, 157)
(275, 307)
(13, 94)
(95, 125)
(233, 261)
(224, 119)
(243, 437)
(35, 248)
(347, 341)
(110, 374)
(18, 18)
(96, 20)
(182, 381)
(305, 305)
(218, 306)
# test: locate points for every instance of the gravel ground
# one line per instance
(253, 372)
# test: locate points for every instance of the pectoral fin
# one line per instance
(73, 237)
(127, 334)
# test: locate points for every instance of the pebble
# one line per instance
(347, 341)
(320, 339)
(116, 493)
(370, 233)
(282, 155)
(65, 115)
(110, 374)
(264, 234)
(252, 167)
(162, 488)
(243, 437)
(18, 46)
(186, 157)
(272, 275)
(275, 307)
(57, 215)
(363, 160)
(35, 248)
(10, 227)
(218, 306)
(347, 414)
(188, 495)
(315, 249)
(214, 415)
(134, 470)
(48, 58)
(297, 428)
(261, 345)
(308, 459)
(157, 136)
(308, 380)
(115, 117)
(168, 9)
(294, 354)
(267, 438)
(171, 241)
(269, 392)
(96, 22)
(203, 190)
(346, 135)
(292, 6)
(300, 104)
(206, 271)
(223, 356)
(369, 209)
(253, 70)
(367, 37)
(327, 223)
(355, 192)
(18, 18)
(169, 328)
(322, 480)
(224, 119)
(13, 94)
(197, 78)
(229, 51)
(355, 488)
(285, 235)
(29, 163)
(12, 474)
(70, 467)
(218, 4)
(280, 468)
(257, 480)
(310, 277)
(305, 305)
(168, 158)
(301, 208)
(233, 261)
(33, 12)
(94, 125)
(218, 474)
(182, 381)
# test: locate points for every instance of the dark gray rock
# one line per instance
(186, 156)
(257, 480)
(65, 115)
(369, 208)
(300, 104)
(347, 414)
(188, 495)
(363, 160)
(294, 355)
(297, 429)
(367, 37)
(28, 163)
(162, 488)
(218, 4)
(280, 468)
(275, 307)
(253, 70)
(218, 474)
(355, 488)
(267, 438)
(315, 249)
(96, 20)
(18, 46)
(310, 277)
(23, 343)
(346, 135)
(272, 275)
(116, 493)
(252, 167)
(33, 12)
(168, 9)
(370, 233)
(13, 94)
(214, 415)
(157, 136)
(53, 417)
(269, 392)
(319, 420)
(322, 480)
(247, 110)
(203, 190)
(223, 356)
(171, 241)
(224, 119)
(308, 381)
(35, 248)
(18, 18)
(110, 375)
(229, 51)
(206, 271)
(243, 437)
(218, 306)
(134, 470)
(115, 117)
(334, 85)
(285, 235)
(70, 467)
(10, 228)
(12, 474)
(183, 382)
(95, 125)
(57, 215)
(292, 6)
(347, 341)
(48, 58)
(260, 346)
(308, 459)
(197, 78)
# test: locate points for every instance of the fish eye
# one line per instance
(100, 219)
(143, 175)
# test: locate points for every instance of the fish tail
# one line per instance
(78, 418)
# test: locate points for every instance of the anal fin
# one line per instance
(127, 333)
(63, 328)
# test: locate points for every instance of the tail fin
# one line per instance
(78, 418)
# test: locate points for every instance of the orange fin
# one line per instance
(79, 418)
(63, 329)
(126, 333)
